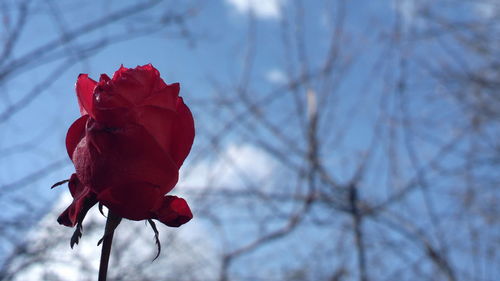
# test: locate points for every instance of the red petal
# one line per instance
(84, 91)
(75, 186)
(158, 123)
(75, 134)
(83, 200)
(82, 161)
(119, 72)
(164, 97)
(129, 154)
(174, 211)
(182, 133)
(107, 97)
(133, 201)
(114, 118)
(147, 76)
(104, 78)
(110, 107)
(135, 84)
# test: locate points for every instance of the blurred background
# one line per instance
(336, 140)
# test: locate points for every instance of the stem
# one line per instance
(106, 245)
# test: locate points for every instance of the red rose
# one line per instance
(127, 147)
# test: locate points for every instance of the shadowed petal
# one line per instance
(75, 134)
(164, 96)
(133, 200)
(83, 200)
(174, 211)
(123, 155)
(182, 133)
(158, 123)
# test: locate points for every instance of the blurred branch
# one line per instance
(9, 67)
(15, 32)
(32, 177)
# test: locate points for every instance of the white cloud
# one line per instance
(237, 165)
(55, 260)
(276, 76)
(50, 241)
(407, 9)
(487, 10)
(267, 9)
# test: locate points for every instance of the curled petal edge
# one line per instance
(173, 212)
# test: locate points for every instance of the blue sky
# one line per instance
(217, 53)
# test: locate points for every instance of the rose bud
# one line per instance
(128, 146)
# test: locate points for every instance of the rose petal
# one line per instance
(133, 200)
(157, 122)
(129, 154)
(107, 99)
(84, 91)
(104, 78)
(164, 97)
(108, 96)
(119, 72)
(75, 134)
(75, 186)
(174, 211)
(147, 76)
(135, 84)
(114, 118)
(182, 133)
(83, 200)
(82, 161)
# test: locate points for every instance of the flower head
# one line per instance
(128, 146)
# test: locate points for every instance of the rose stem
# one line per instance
(106, 246)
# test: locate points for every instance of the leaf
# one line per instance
(75, 238)
(100, 240)
(59, 183)
(157, 237)
(100, 209)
